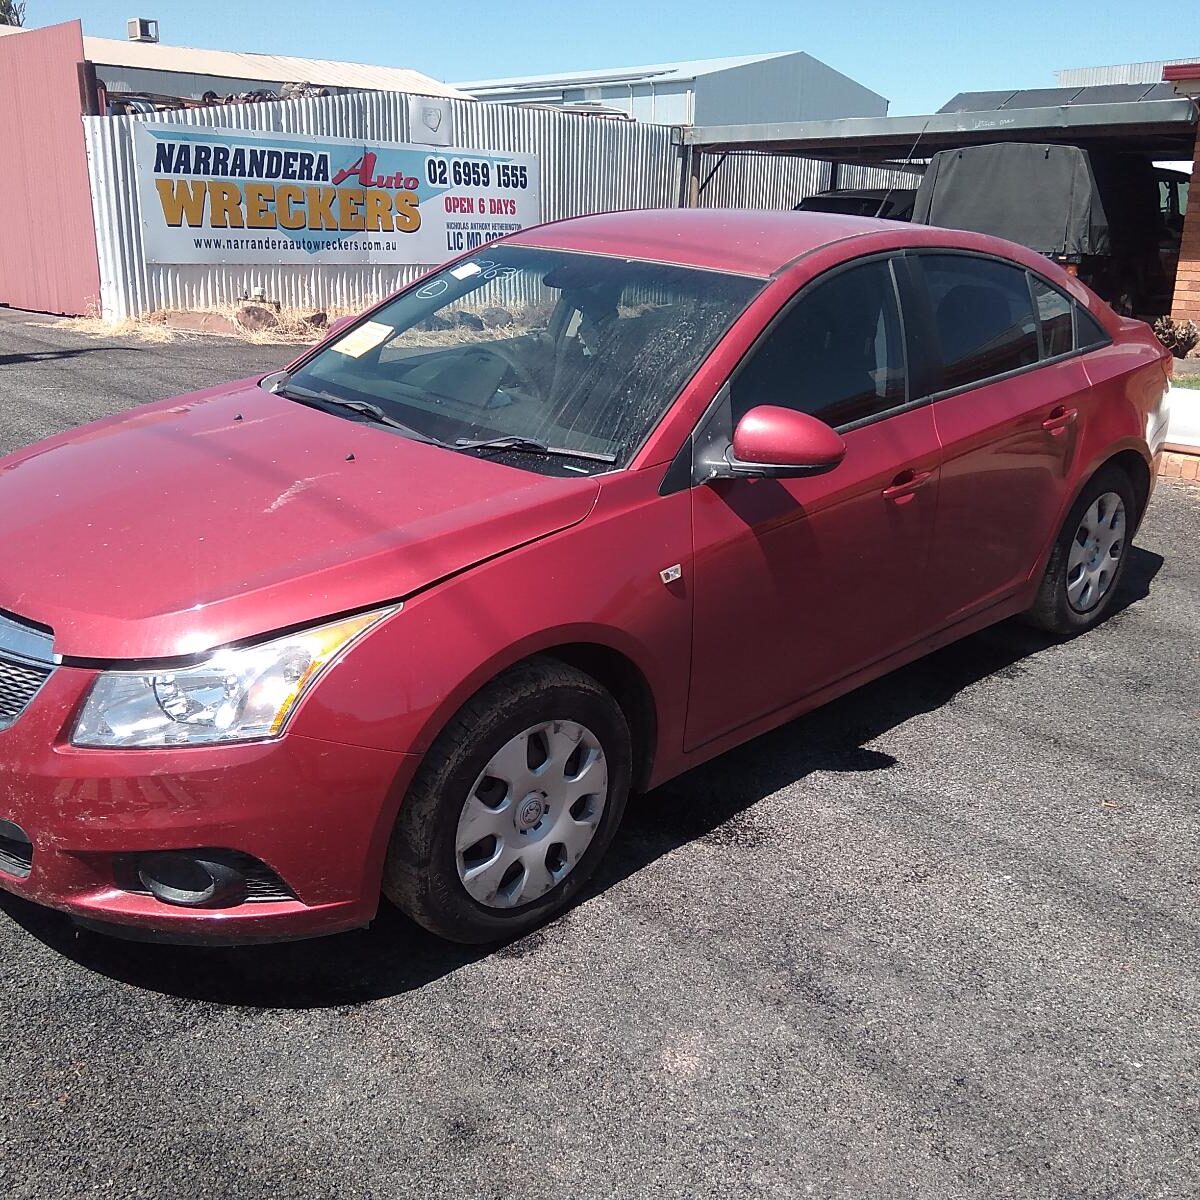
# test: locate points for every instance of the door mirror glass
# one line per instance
(782, 443)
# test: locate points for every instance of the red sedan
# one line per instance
(565, 518)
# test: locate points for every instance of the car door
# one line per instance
(1007, 406)
(800, 582)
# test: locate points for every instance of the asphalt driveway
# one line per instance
(937, 940)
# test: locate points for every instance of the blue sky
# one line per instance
(917, 54)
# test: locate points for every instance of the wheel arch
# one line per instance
(1132, 462)
(624, 680)
(1134, 466)
(1128, 459)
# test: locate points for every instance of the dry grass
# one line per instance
(97, 327)
(291, 328)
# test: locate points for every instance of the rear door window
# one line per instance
(984, 317)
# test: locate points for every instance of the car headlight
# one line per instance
(238, 694)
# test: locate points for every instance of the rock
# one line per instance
(434, 323)
(199, 322)
(495, 317)
(468, 320)
(255, 317)
(317, 320)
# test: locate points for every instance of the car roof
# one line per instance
(740, 240)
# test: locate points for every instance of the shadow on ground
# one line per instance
(37, 356)
(394, 956)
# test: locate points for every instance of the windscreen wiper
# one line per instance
(294, 391)
(531, 446)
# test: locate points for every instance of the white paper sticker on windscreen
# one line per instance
(366, 337)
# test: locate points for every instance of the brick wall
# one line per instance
(1187, 278)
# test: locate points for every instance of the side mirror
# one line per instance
(780, 443)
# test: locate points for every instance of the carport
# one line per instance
(1146, 119)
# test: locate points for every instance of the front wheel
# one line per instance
(1088, 560)
(514, 806)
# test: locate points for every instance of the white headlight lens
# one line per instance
(236, 695)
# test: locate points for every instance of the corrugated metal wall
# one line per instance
(759, 180)
(781, 181)
(851, 175)
(48, 248)
(588, 164)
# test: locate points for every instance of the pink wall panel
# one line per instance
(47, 238)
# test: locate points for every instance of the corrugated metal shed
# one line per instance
(787, 86)
(261, 68)
(663, 72)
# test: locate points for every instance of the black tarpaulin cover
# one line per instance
(1040, 196)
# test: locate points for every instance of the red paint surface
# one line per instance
(1181, 71)
(178, 527)
(48, 259)
(783, 437)
(285, 515)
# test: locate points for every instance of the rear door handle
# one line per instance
(906, 483)
(1060, 419)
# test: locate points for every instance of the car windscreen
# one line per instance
(575, 352)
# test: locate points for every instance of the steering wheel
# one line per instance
(513, 361)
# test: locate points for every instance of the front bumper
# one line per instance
(317, 813)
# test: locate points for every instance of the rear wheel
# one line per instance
(1088, 560)
(513, 807)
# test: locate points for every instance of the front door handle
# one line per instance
(906, 483)
(1060, 420)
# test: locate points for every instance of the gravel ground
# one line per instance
(936, 940)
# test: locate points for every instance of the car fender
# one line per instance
(598, 584)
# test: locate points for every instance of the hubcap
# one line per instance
(531, 814)
(1096, 552)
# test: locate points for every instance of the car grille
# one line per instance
(16, 850)
(263, 886)
(19, 683)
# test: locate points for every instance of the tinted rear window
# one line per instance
(984, 317)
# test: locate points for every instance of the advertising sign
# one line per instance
(238, 196)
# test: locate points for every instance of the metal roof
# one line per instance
(269, 68)
(1111, 93)
(1164, 128)
(661, 72)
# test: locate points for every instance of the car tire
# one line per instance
(1065, 606)
(539, 706)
